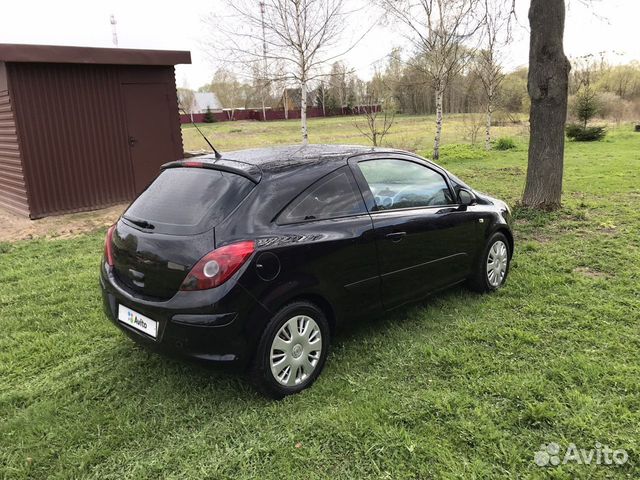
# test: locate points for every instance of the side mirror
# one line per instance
(467, 197)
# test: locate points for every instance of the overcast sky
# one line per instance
(611, 26)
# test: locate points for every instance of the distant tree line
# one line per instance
(615, 90)
(599, 89)
(408, 89)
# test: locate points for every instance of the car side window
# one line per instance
(335, 195)
(402, 184)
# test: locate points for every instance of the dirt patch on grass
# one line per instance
(16, 228)
(589, 272)
(512, 170)
(540, 237)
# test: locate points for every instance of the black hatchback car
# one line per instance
(254, 258)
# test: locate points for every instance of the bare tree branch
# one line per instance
(378, 113)
(302, 35)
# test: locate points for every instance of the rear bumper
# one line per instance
(217, 325)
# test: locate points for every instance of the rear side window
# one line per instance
(188, 200)
(335, 195)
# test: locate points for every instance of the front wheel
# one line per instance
(292, 350)
(493, 265)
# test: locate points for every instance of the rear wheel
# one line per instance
(493, 265)
(292, 350)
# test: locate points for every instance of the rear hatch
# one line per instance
(170, 226)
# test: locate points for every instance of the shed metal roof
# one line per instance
(90, 55)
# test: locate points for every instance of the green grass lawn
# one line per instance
(461, 386)
(410, 132)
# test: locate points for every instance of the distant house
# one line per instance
(202, 100)
(291, 99)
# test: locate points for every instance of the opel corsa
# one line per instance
(254, 258)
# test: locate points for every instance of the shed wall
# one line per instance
(13, 190)
(73, 136)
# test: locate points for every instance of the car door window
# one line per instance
(402, 184)
(335, 195)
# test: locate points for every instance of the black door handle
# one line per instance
(396, 236)
(132, 141)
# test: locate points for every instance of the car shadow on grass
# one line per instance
(186, 380)
(406, 315)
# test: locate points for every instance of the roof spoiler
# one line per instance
(251, 172)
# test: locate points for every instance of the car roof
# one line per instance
(291, 157)
(274, 157)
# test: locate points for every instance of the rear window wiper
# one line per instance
(140, 223)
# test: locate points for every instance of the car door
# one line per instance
(424, 238)
(332, 248)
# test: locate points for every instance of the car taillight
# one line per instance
(108, 246)
(218, 266)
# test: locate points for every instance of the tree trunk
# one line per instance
(303, 112)
(285, 104)
(487, 140)
(548, 89)
(436, 143)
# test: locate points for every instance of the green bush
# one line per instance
(505, 143)
(209, 117)
(580, 133)
(573, 130)
(460, 151)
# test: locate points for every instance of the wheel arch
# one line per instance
(507, 233)
(319, 301)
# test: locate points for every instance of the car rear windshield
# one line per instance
(188, 200)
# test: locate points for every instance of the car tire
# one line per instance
(301, 331)
(486, 278)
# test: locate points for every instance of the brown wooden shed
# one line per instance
(83, 128)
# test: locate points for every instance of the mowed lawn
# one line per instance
(409, 132)
(460, 386)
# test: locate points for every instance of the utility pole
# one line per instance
(264, 63)
(114, 30)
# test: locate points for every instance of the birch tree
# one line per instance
(488, 65)
(303, 34)
(321, 97)
(338, 83)
(438, 29)
(186, 100)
